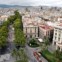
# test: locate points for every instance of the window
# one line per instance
(54, 43)
(35, 29)
(35, 35)
(59, 39)
(55, 30)
(58, 48)
(59, 35)
(55, 33)
(30, 36)
(26, 30)
(30, 30)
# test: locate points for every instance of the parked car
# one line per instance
(37, 56)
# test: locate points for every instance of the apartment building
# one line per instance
(45, 31)
(30, 30)
(3, 18)
(30, 27)
(57, 37)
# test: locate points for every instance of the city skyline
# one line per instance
(57, 3)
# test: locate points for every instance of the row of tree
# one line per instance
(16, 20)
(4, 31)
(18, 28)
(19, 41)
(3, 34)
(19, 55)
(19, 38)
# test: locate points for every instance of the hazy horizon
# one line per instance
(57, 3)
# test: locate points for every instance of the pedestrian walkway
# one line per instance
(5, 57)
(11, 34)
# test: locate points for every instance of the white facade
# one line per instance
(57, 37)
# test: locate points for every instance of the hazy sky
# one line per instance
(32, 2)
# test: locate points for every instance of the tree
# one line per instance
(43, 47)
(23, 57)
(19, 38)
(11, 19)
(58, 55)
(46, 41)
(15, 54)
(6, 23)
(17, 23)
(19, 35)
(18, 20)
(3, 36)
(17, 14)
(19, 55)
(3, 41)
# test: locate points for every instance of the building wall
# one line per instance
(45, 33)
(31, 32)
(57, 38)
(41, 33)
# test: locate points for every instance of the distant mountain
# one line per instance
(7, 6)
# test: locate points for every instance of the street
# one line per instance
(29, 51)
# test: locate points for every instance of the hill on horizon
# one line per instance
(7, 6)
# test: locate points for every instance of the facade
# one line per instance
(45, 31)
(31, 31)
(3, 18)
(57, 37)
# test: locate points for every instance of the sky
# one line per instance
(33, 2)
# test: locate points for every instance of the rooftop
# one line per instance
(46, 27)
(58, 25)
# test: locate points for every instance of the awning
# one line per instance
(40, 40)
